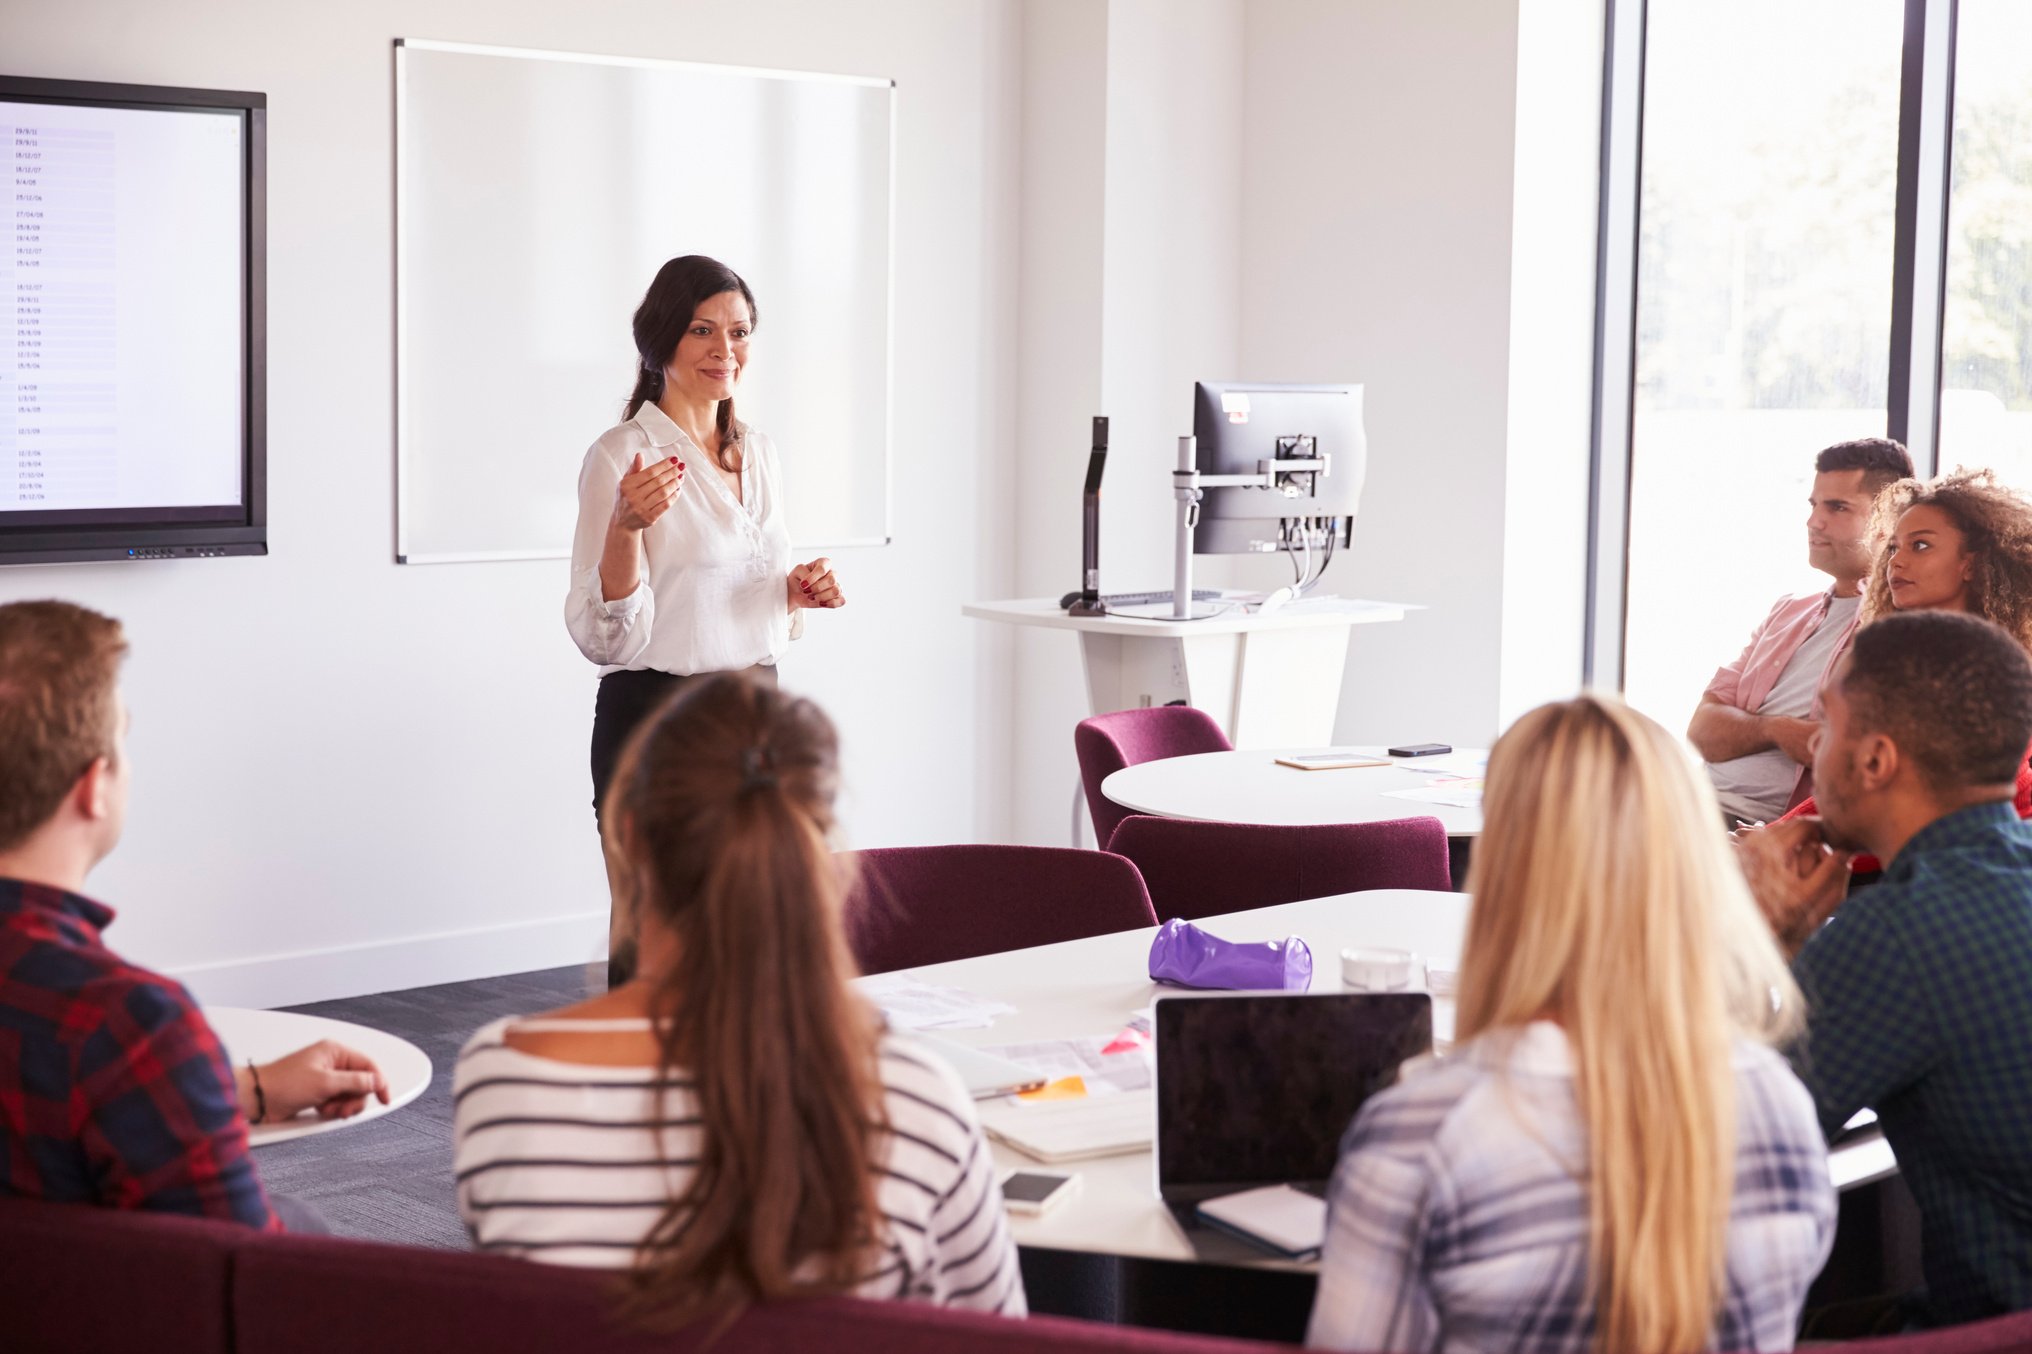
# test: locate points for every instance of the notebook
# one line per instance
(1074, 1130)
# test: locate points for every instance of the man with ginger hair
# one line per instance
(115, 1091)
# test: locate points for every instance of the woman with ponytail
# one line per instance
(734, 1125)
(1613, 1158)
(681, 561)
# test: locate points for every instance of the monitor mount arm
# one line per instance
(1187, 485)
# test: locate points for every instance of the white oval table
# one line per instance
(267, 1035)
(1250, 787)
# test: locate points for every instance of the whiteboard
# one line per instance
(537, 193)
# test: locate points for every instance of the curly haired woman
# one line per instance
(1960, 543)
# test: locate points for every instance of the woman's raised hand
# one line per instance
(647, 492)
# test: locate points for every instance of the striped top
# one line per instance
(1458, 1217)
(564, 1162)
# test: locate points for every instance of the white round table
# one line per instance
(267, 1035)
(1250, 787)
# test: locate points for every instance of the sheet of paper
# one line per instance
(1465, 793)
(912, 1005)
(1469, 764)
(1104, 1073)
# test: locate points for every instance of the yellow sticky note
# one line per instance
(1065, 1088)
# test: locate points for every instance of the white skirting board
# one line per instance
(394, 965)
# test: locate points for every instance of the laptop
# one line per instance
(1256, 1090)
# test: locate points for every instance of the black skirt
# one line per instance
(626, 699)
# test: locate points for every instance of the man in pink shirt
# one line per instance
(1758, 716)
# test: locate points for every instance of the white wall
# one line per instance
(1131, 292)
(1552, 316)
(1376, 231)
(352, 776)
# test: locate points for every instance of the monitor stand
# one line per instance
(1089, 602)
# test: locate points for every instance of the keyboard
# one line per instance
(1142, 598)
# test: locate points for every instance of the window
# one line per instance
(1765, 248)
(1986, 366)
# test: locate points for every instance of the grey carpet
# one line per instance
(391, 1180)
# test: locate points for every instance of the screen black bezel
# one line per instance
(169, 533)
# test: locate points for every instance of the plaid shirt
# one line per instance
(1919, 1006)
(1458, 1217)
(115, 1091)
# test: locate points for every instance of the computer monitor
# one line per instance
(1240, 426)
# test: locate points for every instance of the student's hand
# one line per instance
(813, 585)
(327, 1077)
(1793, 737)
(646, 492)
(1796, 878)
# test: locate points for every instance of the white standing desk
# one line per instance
(1248, 786)
(1092, 987)
(265, 1036)
(1268, 679)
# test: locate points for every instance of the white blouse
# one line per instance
(711, 598)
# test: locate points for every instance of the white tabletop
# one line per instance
(267, 1035)
(1250, 787)
(1093, 986)
(1303, 614)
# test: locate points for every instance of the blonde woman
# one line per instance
(1613, 1158)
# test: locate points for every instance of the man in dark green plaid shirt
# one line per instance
(1919, 990)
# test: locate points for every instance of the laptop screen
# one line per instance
(1257, 1090)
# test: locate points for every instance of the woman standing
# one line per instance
(681, 561)
(1613, 1158)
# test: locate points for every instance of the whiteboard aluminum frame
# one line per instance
(401, 309)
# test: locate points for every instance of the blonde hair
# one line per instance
(1606, 899)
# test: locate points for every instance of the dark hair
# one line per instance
(1953, 691)
(59, 667)
(721, 809)
(667, 308)
(1882, 461)
(1996, 528)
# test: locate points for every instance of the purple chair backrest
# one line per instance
(1999, 1335)
(1195, 869)
(80, 1277)
(1107, 743)
(915, 905)
(308, 1295)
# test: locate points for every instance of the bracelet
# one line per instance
(260, 1096)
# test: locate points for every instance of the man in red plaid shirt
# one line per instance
(113, 1089)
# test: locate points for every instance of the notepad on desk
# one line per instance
(1075, 1130)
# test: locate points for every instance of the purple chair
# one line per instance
(80, 1277)
(317, 1295)
(915, 905)
(1999, 1335)
(1196, 869)
(1107, 743)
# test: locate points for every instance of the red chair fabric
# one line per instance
(913, 905)
(305, 1295)
(1196, 869)
(1107, 743)
(1999, 1335)
(77, 1277)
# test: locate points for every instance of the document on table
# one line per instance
(1461, 793)
(1472, 765)
(914, 1005)
(1103, 1073)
